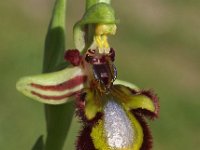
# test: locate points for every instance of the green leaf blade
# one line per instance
(39, 144)
(55, 38)
(58, 118)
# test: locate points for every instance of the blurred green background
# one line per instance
(157, 46)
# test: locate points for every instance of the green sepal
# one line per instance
(100, 13)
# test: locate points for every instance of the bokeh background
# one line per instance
(157, 46)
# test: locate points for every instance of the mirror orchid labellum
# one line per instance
(111, 111)
(112, 114)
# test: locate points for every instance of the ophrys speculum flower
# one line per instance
(111, 111)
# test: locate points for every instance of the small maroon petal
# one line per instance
(73, 56)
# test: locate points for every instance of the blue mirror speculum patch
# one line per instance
(118, 128)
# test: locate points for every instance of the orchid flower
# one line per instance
(112, 111)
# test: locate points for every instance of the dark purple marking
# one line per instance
(73, 56)
(112, 54)
(62, 86)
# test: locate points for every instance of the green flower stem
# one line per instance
(58, 118)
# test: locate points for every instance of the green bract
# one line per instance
(100, 13)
